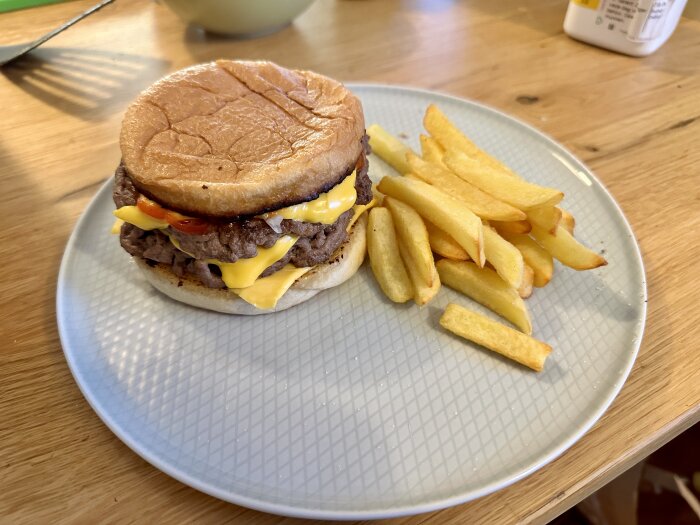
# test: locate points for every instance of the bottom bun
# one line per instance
(340, 267)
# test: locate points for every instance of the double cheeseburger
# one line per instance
(242, 185)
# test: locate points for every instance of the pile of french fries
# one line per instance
(495, 235)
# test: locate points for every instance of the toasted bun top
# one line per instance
(232, 138)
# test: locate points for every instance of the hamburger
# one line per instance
(243, 185)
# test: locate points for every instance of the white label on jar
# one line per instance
(648, 21)
(640, 20)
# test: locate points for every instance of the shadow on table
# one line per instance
(290, 46)
(307, 42)
(84, 83)
(204, 46)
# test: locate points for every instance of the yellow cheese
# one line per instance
(133, 215)
(265, 292)
(243, 275)
(117, 226)
(359, 210)
(244, 272)
(326, 208)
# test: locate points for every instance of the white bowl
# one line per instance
(239, 17)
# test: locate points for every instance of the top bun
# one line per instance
(232, 138)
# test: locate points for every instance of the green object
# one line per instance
(14, 5)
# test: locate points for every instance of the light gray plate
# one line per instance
(349, 406)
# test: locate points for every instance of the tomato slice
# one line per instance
(189, 225)
(185, 224)
(151, 208)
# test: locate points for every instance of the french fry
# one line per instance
(546, 217)
(384, 256)
(504, 257)
(536, 257)
(511, 226)
(567, 221)
(413, 236)
(388, 148)
(423, 292)
(446, 133)
(431, 151)
(495, 336)
(567, 250)
(481, 203)
(514, 191)
(443, 210)
(443, 244)
(485, 287)
(451, 138)
(498, 235)
(525, 289)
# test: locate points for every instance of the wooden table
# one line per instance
(636, 122)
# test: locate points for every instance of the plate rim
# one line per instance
(390, 512)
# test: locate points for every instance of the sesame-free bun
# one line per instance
(232, 138)
(340, 267)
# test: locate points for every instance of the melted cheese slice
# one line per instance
(133, 215)
(326, 208)
(359, 210)
(265, 292)
(244, 272)
(117, 226)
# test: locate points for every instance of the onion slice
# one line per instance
(275, 222)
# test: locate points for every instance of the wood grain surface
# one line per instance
(635, 122)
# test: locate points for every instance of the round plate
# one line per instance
(350, 406)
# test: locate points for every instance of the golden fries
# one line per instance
(413, 236)
(445, 132)
(460, 203)
(487, 288)
(431, 151)
(388, 148)
(536, 257)
(504, 257)
(482, 204)
(546, 217)
(495, 336)
(525, 289)
(444, 211)
(503, 227)
(567, 221)
(423, 292)
(384, 256)
(451, 138)
(567, 250)
(443, 244)
(514, 191)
